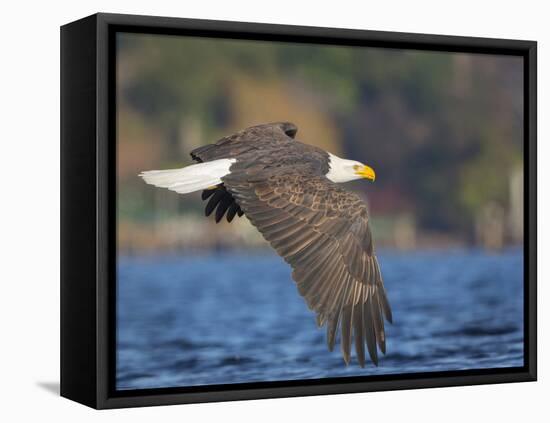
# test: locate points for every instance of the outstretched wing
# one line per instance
(323, 232)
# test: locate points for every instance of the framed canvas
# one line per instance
(370, 202)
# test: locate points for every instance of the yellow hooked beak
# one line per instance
(366, 172)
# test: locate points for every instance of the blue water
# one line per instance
(229, 318)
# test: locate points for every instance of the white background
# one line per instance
(29, 238)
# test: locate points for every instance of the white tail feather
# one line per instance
(191, 178)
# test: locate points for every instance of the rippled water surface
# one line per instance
(229, 318)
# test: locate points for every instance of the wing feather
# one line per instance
(322, 231)
(232, 211)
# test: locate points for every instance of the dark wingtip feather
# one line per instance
(381, 293)
(385, 305)
(223, 205)
(378, 320)
(358, 336)
(220, 200)
(382, 341)
(207, 193)
(216, 198)
(332, 329)
(345, 342)
(369, 331)
(232, 211)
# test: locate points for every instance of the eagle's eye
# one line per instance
(291, 132)
(289, 129)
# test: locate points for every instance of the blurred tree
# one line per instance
(443, 130)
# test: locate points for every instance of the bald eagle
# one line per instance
(288, 190)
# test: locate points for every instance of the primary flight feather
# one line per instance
(289, 191)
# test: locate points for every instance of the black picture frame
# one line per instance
(88, 220)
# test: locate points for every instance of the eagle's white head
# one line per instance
(342, 170)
